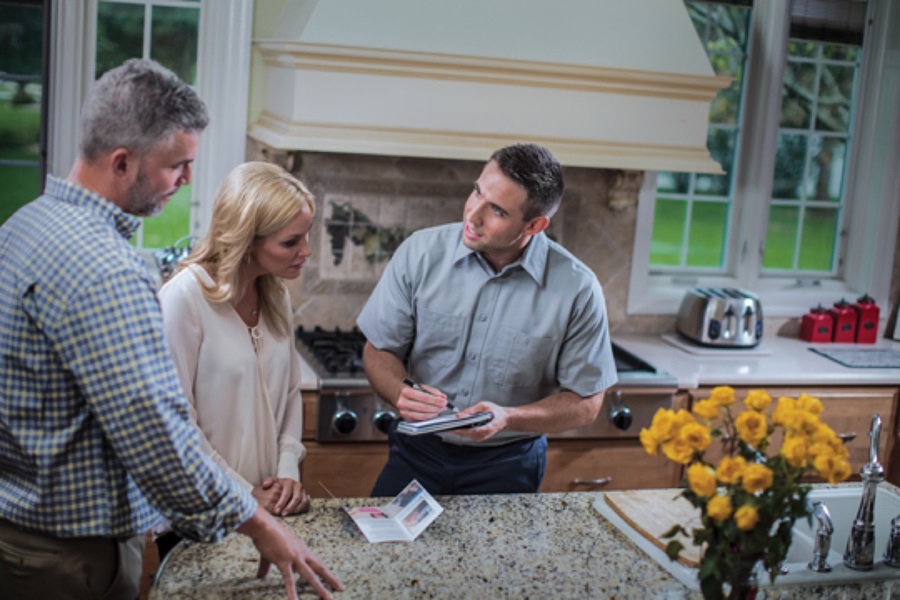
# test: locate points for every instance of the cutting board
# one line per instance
(654, 512)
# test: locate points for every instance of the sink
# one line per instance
(842, 503)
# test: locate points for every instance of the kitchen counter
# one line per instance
(776, 361)
(501, 546)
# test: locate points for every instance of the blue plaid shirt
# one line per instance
(95, 435)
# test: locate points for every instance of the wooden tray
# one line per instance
(654, 512)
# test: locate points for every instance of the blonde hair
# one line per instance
(255, 199)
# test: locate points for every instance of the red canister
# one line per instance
(844, 322)
(866, 320)
(816, 325)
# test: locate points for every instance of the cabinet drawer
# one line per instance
(348, 470)
(573, 465)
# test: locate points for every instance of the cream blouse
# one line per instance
(244, 394)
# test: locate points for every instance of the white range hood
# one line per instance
(614, 84)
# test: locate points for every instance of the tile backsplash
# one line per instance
(365, 205)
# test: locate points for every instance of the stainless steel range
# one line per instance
(349, 410)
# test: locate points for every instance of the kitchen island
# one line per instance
(500, 546)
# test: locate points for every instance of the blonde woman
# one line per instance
(227, 318)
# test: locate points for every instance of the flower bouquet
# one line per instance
(750, 500)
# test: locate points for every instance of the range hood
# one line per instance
(610, 84)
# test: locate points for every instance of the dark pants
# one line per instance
(34, 565)
(444, 468)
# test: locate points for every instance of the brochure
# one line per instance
(402, 520)
(444, 423)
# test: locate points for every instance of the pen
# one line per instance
(416, 386)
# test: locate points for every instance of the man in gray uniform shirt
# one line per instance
(491, 315)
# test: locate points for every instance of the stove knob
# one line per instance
(621, 417)
(344, 422)
(384, 419)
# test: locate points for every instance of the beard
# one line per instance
(141, 201)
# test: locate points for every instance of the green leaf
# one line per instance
(673, 549)
(676, 529)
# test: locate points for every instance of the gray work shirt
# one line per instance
(511, 337)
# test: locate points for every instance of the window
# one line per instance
(792, 217)
(168, 32)
(23, 48)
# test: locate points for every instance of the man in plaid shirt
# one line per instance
(96, 445)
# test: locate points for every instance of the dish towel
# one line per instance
(862, 358)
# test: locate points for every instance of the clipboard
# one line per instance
(444, 423)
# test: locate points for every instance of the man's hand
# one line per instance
(278, 546)
(415, 405)
(489, 429)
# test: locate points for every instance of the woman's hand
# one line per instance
(282, 496)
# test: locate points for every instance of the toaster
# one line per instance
(723, 317)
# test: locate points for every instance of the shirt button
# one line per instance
(482, 317)
(465, 393)
(472, 356)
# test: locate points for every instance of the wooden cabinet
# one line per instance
(847, 410)
(608, 464)
(598, 465)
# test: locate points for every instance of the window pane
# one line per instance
(818, 239)
(120, 34)
(171, 224)
(826, 168)
(797, 95)
(802, 48)
(790, 163)
(707, 234)
(668, 231)
(20, 186)
(724, 108)
(721, 147)
(835, 91)
(838, 52)
(21, 96)
(673, 183)
(781, 237)
(728, 28)
(174, 40)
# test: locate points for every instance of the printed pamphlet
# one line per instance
(402, 520)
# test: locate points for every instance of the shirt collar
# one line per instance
(77, 195)
(533, 260)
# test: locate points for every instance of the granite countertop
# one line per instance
(778, 360)
(501, 546)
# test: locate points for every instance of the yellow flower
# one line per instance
(746, 518)
(682, 418)
(751, 427)
(809, 404)
(794, 450)
(719, 508)
(784, 406)
(706, 409)
(649, 441)
(678, 450)
(832, 468)
(757, 478)
(696, 435)
(758, 400)
(722, 395)
(702, 480)
(663, 425)
(730, 469)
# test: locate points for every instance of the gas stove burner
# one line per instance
(336, 351)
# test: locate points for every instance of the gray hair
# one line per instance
(136, 106)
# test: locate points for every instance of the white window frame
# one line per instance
(223, 81)
(873, 185)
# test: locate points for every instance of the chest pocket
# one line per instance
(438, 340)
(519, 359)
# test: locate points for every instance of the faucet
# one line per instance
(819, 562)
(892, 550)
(860, 552)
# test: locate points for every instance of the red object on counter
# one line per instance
(816, 325)
(866, 320)
(844, 322)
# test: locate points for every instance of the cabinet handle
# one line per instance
(847, 437)
(592, 482)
